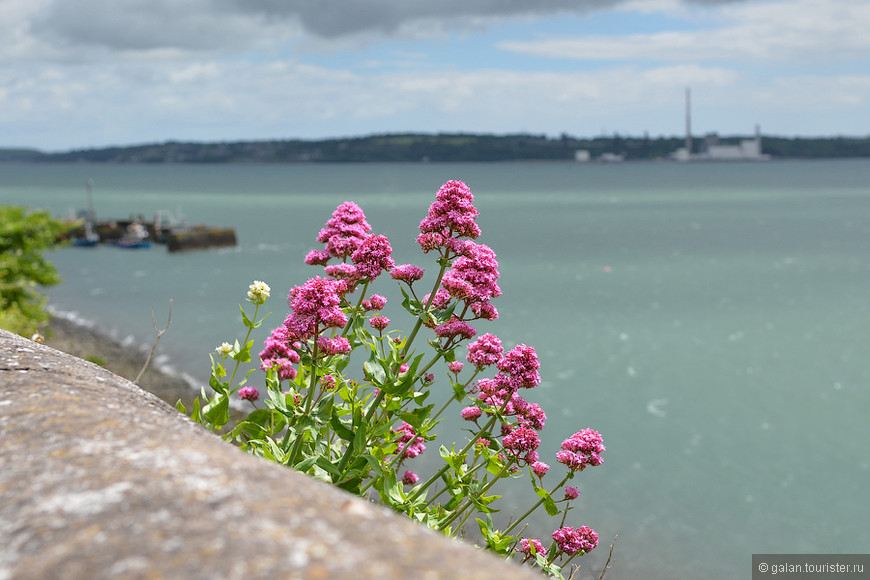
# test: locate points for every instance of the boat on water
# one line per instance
(90, 238)
(135, 237)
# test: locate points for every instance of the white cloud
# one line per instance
(811, 30)
(215, 70)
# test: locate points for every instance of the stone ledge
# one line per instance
(99, 479)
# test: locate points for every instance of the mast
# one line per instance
(90, 187)
(689, 122)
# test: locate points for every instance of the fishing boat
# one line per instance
(135, 237)
(89, 239)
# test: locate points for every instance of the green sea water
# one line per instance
(710, 320)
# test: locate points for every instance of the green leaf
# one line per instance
(217, 411)
(549, 504)
(339, 427)
(454, 460)
(359, 439)
(180, 407)
(415, 307)
(326, 465)
(195, 414)
(375, 371)
(482, 503)
(323, 409)
(244, 354)
(416, 417)
(374, 464)
(259, 423)
(276, 453)
(277, 400)
(218, 386)
(391, 490)
(351, 485)
(305, 464)
(251, 323)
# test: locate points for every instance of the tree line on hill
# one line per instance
(442, 147)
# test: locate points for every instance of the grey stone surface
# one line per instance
(99, 479)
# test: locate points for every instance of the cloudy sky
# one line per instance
(91, 73)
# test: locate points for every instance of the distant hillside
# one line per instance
(440, 147)
(11, 155)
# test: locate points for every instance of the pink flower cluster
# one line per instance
(521, 440)
(485, 351)
(343, 235)
(376, 302)
(581, 450)
(540, 468)
(526, 545)
(407, 273)
(572, 541)
(451, 216)
(410, 444)
(249, 394)
(455, 327)
(315, 306)
(471, 413)
(333, 346)
(521, 363)
(280, 354)
(373, 257)
(474, 274)
(518, 368)
(347, 235)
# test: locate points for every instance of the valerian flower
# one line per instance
(526, 546)
(521, 363)
(249, 394)
(471, 413)
(540, 468)
(581, 450)
(452, 215)
(485, 351)
(373, 256)
(572, 541)
(410, 478)
(279, 354)
(344, 232)
(315, 306)
(407, 273)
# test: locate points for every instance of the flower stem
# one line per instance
(444, 469)
(350, 318)
(480, 493)
(309, 402)
(349, 450)
(534, 507)
(425, 314)
(244, 342)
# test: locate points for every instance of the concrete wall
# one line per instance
(99, 479)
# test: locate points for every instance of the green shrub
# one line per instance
(24, 236)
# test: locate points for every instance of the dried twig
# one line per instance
(609, 556)
(156, 340)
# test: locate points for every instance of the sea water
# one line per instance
(710, 320)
